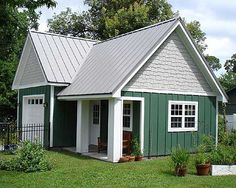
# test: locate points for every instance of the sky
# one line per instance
(217, 18)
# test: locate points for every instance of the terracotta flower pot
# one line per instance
(138, 158)
(124, 159)
(180, 171)
(131, 158)
(203, 169)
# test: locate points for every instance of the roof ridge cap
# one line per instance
(140, 29)
(60, 35)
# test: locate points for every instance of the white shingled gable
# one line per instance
(29, 72)
(170, 69)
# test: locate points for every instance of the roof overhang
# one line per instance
(85, 97)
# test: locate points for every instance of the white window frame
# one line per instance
(99, 113)
(183, 128)
(131, 116)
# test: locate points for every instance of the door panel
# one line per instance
(94, 122)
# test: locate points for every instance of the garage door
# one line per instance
(33, 118)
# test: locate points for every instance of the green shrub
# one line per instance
(136, 148)
(30, 157)
(180, 157)
(228, 138)
(202, 158)
(223, 155)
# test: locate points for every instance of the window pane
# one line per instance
(189, 122)
(176, 109)
(95, 114)
(126, 109)
(176, 122)
(126, 121)
(190, 110)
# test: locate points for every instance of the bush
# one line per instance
(30, 157)
(180, 157)
(223, 155)
(136, 149)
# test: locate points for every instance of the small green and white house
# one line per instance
(152, 82)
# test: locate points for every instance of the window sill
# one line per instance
(183, 130)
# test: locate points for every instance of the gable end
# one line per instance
(170, 69)
(29, 72)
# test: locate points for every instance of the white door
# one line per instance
(33, 118)
(95, 122)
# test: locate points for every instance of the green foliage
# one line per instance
(71, 23)
(106, 19)
(136, 149)
(230, 64)
(7, 95)
(180, 157)
(228, 80)
(213, 62)
(223, 155)
(30, 157)
(198, 35)
(202, 158)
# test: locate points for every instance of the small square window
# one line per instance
(32, 101)
(36, 101)
(40, 101)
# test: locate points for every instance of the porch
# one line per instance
(106, 127)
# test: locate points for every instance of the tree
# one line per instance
(16, 17)
(230, 64)
(213, 62)
(106, 19)
(228, 80)
(71, 23)
(198, 35)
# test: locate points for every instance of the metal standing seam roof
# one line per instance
(60, 56)
(111, 61)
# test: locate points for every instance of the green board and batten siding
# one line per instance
(37, 91)
(64, 121)
(157, 139)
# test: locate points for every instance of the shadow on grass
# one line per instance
(74, 155)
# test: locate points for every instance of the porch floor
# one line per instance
(100, 156)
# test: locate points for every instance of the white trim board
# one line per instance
(167, 92)
(90, 97)
(183, 128)
(51, 114)
(141, 99)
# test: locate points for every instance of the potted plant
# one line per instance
(137, 150)
(124, 159)
(132, 157)
(202, 164)
(180, 159)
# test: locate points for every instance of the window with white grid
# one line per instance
(182, 116)
(127, 116)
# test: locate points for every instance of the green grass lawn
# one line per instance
(71, 170)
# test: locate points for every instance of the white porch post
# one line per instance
(82, 131)
(115, 130)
